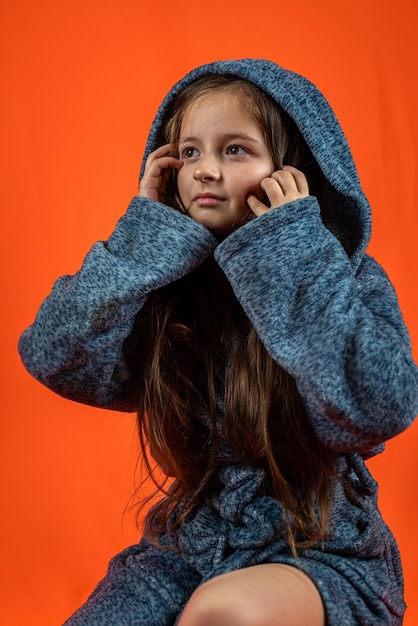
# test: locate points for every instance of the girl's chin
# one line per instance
(219, 226)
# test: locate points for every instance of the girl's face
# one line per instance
(225, 156)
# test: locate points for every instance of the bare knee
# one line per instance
(209, 606)
(263, 595)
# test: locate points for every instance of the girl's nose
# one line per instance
(207, 169)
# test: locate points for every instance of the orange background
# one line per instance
(81, 81)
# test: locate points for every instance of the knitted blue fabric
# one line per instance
(324, 310)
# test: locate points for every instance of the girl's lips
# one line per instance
(208, 200)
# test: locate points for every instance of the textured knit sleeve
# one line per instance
(75, 345)
(339, 332)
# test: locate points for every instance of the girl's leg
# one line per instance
(263, 595)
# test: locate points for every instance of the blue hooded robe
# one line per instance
(324, 310)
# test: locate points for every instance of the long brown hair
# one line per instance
(198, 348)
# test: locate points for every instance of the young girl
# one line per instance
(235, 309)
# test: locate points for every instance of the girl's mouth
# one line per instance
(208, 199)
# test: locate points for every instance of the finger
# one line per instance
(274, 185)
(292, 182)
(155, 167)
(299, 177)
(274, 191)
(169, 161)
(285, 179)
(256, 206)
(166, 149)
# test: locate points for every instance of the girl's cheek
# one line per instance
(255, 188)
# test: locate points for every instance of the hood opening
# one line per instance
(330, 170)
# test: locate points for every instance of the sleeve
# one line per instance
(75, 345)
(339, 332)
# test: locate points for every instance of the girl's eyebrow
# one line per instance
(227, 137)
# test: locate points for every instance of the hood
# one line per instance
(345, 210)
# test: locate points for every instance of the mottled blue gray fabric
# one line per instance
(325, 311)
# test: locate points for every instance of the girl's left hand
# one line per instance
(283, 186)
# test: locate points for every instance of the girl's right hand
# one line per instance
(157, 166)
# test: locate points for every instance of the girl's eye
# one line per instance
(236, 150)
(189, 153)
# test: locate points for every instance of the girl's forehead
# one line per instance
(222, 100)
(221, 96)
